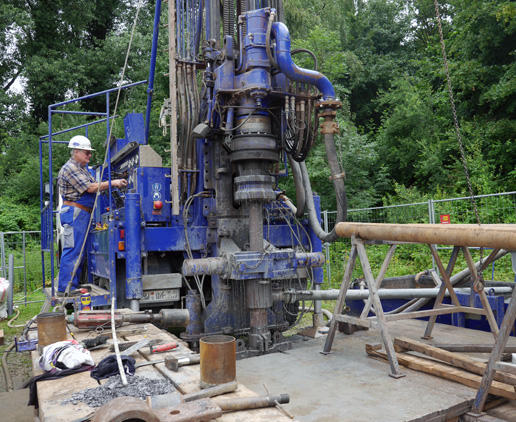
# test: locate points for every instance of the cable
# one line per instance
(478, 284)
(186, 207)
(104, 166)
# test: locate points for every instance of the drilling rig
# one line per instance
(213, 232)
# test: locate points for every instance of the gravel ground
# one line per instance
(137, 387)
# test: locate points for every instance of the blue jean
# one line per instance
(75, 223)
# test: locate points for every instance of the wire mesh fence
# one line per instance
(26, 249)
(410, 259)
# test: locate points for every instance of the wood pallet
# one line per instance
(451, 366)
(51, 393)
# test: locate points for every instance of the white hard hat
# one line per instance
(80, 142)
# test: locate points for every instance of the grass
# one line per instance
(408, 260)
(26, 313)
(19, 363)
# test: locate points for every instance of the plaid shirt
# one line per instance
(73, 180)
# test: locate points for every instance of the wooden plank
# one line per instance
(457, 360)
(445, 371)
(1, 337)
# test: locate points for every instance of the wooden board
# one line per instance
(455, 359)
(444, 371)
(1, 337)
(186, 380)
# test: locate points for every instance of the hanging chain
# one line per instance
(479, 283)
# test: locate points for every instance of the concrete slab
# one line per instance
(349, 386)
(13, 406)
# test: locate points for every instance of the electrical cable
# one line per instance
(186, 208)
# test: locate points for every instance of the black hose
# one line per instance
(312, 213)
(298, 183)
(305, 50)
(7, 374)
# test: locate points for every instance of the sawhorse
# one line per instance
(380, 320)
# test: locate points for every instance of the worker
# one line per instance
(78, 189)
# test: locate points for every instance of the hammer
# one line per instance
(167, 360)
(175, 363)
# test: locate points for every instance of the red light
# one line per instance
(122, 234)
(158, 205)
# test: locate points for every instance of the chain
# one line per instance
(479, 283)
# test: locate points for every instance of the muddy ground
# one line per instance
(19, 365)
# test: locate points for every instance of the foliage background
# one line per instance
(383, 57)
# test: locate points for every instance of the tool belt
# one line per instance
(76, 205)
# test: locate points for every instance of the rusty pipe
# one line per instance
(245, 403)
(497, 236)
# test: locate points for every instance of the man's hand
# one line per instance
(119, 183)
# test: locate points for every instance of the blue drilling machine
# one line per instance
(213, 233)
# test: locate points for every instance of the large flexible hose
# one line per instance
(300, 190)
(312, 212)
(340, 191)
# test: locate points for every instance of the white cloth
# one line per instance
(4, 289)
(67, 354)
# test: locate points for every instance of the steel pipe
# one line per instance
(333, 294)
(204, 266)
(496, 236)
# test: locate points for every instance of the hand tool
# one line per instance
(141, 344)
(163, 347)
(166, 318)
(183, 361)
(172, 399)
(167, 361)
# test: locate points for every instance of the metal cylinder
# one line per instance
(204, 266)
(496, 236)
(133, 255)
(246, 403)
(352, 294)
(193, 304)
(218, 360)
(51, 328)
(169, 318)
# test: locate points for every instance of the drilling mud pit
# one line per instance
(138, 387)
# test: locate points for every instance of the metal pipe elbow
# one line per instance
(287, 66)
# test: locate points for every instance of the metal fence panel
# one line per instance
(493, 209)
(26, 249)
